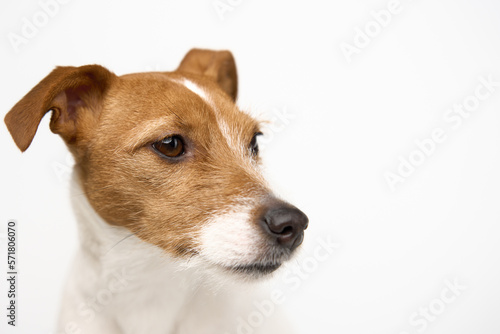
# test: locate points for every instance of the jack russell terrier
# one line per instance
(173, 212)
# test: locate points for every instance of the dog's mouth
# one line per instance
(258, 269)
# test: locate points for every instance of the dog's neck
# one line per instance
(122, 284)
(114, 263)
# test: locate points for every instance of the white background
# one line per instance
(350, 123)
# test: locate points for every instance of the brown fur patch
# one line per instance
(165, 201)
(109, 124)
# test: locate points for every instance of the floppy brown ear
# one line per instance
(217, 65)
(65, 91)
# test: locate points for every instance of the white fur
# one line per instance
(232, 138)
(121, 284)
(230, 239)
(205, 96)
(198, 91)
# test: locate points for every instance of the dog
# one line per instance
(175, 218)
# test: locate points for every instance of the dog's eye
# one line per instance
(171, 147)
(254, 146)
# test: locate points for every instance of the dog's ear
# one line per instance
(65, 91)
(217, 65)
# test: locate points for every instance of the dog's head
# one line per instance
(170, 157)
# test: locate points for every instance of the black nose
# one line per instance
(286, 224)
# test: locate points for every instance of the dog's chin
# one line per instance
(255, 270)
(261, 267)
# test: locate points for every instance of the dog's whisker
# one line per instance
(119, 242)
(124, 238)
